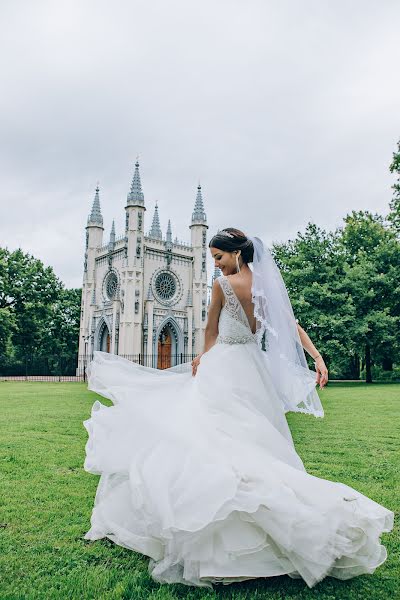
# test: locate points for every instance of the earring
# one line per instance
(237, 264)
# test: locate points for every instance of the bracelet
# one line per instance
(318, 356)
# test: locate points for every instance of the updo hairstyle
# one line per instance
(236, 240)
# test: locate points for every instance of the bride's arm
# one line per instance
(320, 366)
(211, 331)
(307, 343)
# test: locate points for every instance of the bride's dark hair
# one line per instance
(237, 240)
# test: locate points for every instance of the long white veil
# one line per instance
(284, 354)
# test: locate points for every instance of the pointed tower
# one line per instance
(136, 195)
(132, 275)
(134, 226)
(199, 215)
(94, 235)
(217, 273)
(155, 231)
(169, 232)
(168, 243)
(94, 240)
(95, 219)
(198, 235)
(111, 243)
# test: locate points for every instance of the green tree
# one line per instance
(28, 289)
(7, 325)
(344, 287)
(394, 215)
(372, 259)
(63, 324)
(312, 266)
(37, 314)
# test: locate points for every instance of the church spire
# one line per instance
(95, 218)
(155, 231)
(217, 273)
(169, 232)
(199, 215)
(136, 195)
(112, 234)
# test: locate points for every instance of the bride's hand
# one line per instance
(322, 372)
(195, 363)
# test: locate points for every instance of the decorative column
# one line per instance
(198, 231)
(132, 289)
(94, 240)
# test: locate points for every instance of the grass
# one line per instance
(46, 497)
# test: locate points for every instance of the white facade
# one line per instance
(144, 294)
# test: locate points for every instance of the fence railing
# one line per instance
(69, 368)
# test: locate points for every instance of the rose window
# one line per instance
(165, 286)
(111, 285)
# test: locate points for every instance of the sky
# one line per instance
(286, 112)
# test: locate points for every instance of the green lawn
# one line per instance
(46, 497)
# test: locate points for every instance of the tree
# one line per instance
(37, 314)
(28, 289)
(63, 324)
(345, 291)
(7, 326)
(312, 266)
(372, 259)
(394, 215)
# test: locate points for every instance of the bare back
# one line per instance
(241, 284)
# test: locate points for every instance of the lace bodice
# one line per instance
(233, 324)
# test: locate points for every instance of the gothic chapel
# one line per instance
(144, 294)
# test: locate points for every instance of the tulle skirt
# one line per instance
(201, 475)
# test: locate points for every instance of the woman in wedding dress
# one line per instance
(197, 463)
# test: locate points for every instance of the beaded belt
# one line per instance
(226, 339)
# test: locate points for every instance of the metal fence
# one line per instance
(69, 368)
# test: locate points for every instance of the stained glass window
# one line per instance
(111, 285)
(165, 286)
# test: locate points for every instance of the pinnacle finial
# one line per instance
(136, 195)
(112, 234)
(169, 232)
(95, 217)
(199, 214)
(155, 231)
(217, 273)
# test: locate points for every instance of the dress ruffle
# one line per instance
(201, 475)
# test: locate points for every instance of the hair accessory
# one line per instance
(225, 233)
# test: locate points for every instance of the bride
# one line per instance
(198, 467)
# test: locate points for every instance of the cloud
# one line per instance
(286, 112)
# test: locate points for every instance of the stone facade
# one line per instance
(144, 293)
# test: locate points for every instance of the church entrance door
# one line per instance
(105, 340)
(164, 350)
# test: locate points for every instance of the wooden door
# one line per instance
(164, 351)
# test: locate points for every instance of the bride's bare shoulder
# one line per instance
(239, 282)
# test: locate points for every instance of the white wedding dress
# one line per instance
(201, 474)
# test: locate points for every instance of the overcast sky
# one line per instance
(286, 111)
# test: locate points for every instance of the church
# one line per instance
(144, 296)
